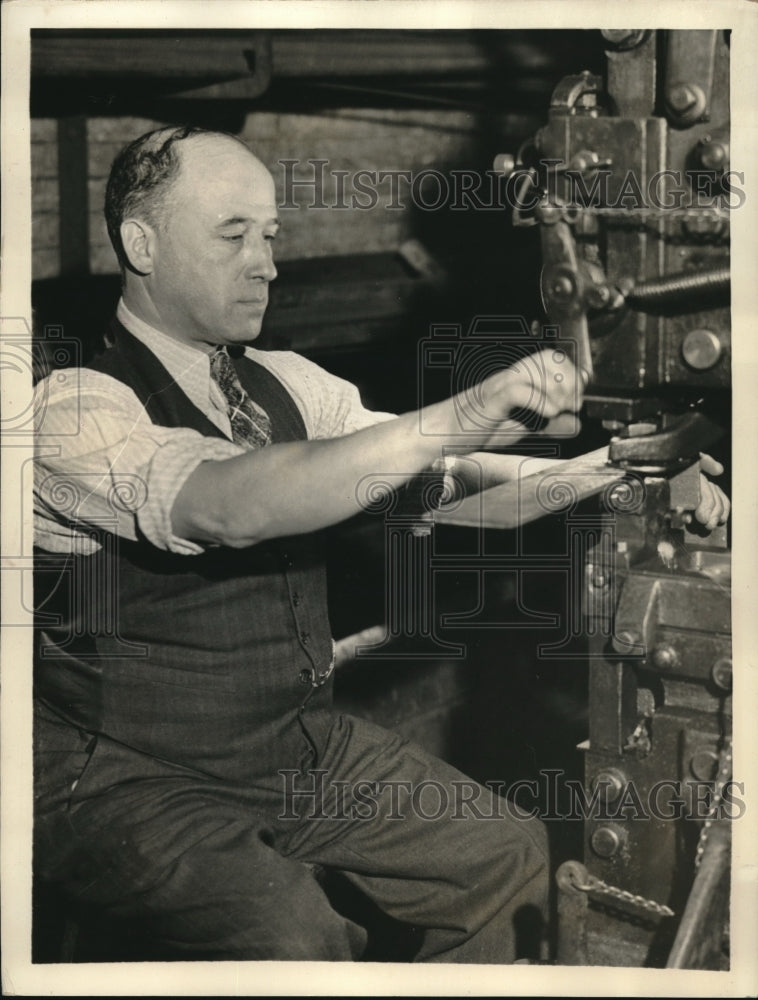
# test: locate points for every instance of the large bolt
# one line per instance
(701, 349)
(681, 98)
(686, 101)
(504, 164)
(607, 841)
(665, 657)
(610, 783)
(714, 155)
(562, 287)
(704, 764)
(584, 159)
(598, 296)
(623, 38)
(626, 638)
(721, 673)
(617, 496)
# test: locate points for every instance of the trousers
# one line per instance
(214, 869)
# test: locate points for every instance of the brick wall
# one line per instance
(351, 140)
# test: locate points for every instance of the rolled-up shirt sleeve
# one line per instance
(172, 463)
(102, 464)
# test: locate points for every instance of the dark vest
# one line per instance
(215, 662)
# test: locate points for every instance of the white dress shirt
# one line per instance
(102, 463)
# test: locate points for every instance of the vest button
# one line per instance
(305, 638)
(304, 676)
(296, 599)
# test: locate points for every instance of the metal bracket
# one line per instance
(576, 94)
(689, 76)
(675, 445)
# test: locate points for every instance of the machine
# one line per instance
(630, 185)
(629, 182)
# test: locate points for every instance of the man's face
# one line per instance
(213, 259)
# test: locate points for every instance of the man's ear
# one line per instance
(139, 243)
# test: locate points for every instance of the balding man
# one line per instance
(191, 771)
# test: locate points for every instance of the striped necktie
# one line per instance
(251, 426)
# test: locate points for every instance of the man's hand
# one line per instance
(714, 505)
(545, 385)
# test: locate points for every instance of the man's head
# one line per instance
(192, 215)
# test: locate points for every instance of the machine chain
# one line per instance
(724, 776)
(597, 885)
(712, 225)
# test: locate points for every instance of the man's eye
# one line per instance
(270, 237)
(232, 239)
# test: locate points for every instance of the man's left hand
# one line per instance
(714, 505)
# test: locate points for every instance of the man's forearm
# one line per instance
(301, 486)
(482, 470)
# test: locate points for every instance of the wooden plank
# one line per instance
(180, 55)
(187, 54)
(376, 52)
(521, 501)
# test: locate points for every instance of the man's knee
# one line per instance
(536, 831)
(534, 849)
(512, 858)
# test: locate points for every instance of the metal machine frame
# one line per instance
(629, 183)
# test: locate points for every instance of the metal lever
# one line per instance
(572, 914)
(674, 445)
(564, 286)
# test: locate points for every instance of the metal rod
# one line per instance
(698, 937)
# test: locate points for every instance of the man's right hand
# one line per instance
(545, 384)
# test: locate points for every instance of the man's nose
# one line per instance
(260, 260)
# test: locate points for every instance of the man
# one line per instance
(190, 473)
